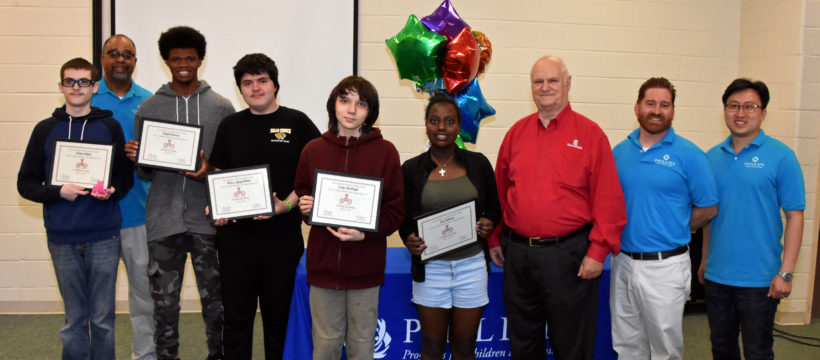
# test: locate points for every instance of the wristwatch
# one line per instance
(786, 276)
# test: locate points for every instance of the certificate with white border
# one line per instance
(346, 200)
(240, 193)
(447, 230)
(82, 163)
(169, 145)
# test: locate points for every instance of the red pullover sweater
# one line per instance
(334, 264)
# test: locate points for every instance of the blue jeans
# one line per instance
(732, 310)
(87, 275)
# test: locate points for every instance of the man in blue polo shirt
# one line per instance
(120, 94)
(669, 189)
(744, 275)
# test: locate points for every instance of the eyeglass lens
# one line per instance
(127, 55)
(69, 82)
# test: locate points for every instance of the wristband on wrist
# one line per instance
(290, 205)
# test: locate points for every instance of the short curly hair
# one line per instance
(181, 37)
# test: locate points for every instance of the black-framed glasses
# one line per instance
(747, 107)
(84, 82)
(127, 55)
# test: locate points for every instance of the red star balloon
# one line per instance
(461, 61)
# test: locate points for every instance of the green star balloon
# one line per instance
(416, 50)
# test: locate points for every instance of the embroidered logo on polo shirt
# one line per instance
(574, 144)
(755, 164)
(280, 135)
(665, 161)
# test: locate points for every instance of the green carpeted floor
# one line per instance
(35, 337)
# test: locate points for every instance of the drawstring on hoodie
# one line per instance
(184, 179)
(82, 132)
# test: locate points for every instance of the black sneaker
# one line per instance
(215, 357)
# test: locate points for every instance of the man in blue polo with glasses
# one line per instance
(744, 275)
(120, 94)
(669, 189)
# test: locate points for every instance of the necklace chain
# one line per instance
(443, 165)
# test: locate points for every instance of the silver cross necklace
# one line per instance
(444, 165)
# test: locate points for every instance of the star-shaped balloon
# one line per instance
(473, 108)
(461, 60)
(445, 20)
(416, 50)
(486, 49)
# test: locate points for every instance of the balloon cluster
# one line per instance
(440, 53)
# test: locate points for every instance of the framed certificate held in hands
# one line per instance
(82, 163)
(447, 230)
(169, 145)
(346, 200)
(240, 193)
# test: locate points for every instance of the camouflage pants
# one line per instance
(165, 270)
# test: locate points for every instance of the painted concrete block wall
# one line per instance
(36, 40)
(778, 46)
(609, 46)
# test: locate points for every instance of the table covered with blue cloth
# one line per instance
(398, 335)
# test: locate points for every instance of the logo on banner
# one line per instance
(755, 164)
(383, 340)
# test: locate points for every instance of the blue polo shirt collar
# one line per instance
(103, 89)
(668, 139)
(757, 142)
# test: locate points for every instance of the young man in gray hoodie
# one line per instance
(175, 219)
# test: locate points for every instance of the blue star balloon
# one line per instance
(473, 108)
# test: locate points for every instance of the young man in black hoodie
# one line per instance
(82, 228)
(175, 218)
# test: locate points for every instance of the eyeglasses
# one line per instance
(69, 82)
(126, 55)
(748, 107)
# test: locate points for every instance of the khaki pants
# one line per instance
(344, 317)
(646, 299)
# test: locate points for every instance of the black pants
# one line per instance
(541, 288)
(257, 271)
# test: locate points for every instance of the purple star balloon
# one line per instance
(445, 20)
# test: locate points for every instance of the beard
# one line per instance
(120, 77)
(653, 126)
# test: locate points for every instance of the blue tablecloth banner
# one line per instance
(398, 335)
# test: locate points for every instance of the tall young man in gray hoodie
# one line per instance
(175, 219)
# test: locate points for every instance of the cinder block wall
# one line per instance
(609, 46)
(779, 45)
